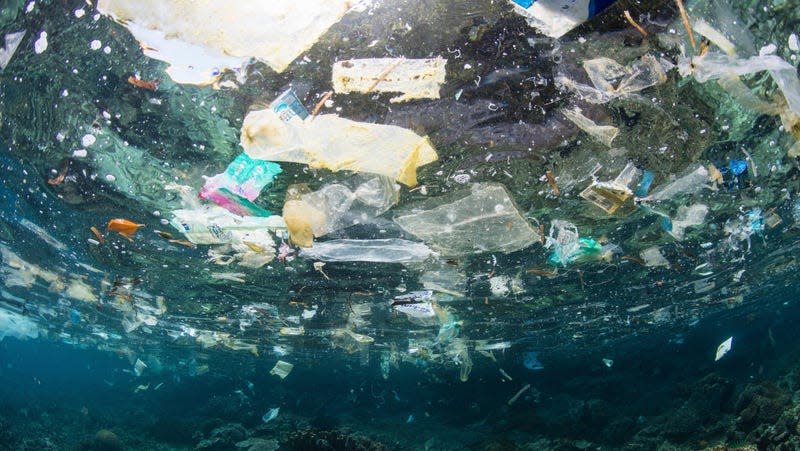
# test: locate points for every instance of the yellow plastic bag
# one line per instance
(331, 142)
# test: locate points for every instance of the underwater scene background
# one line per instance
(221, 228)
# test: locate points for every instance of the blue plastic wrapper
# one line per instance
(644, 185)
(555, 18)
(738, 167)
(531, 361)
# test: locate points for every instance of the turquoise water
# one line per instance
(533, 290)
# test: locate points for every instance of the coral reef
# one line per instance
(223, 438)
(312, 439)
(759, 404)
(103, 440)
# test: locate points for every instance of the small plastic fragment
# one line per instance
(530, 359)
(690, 216)
(124, 227)
(292, 331)
(485, 219)
(271, 414)
(644, 184)
(391, 250)
(611, 195)
(773, 220)
(518, 394)
(723, 348)
(234, 203)
(12, 41)
(737, 167)
(139, 367)
(688, 184)
(416, 304)
(288, 106)
(414, 78)
(281, 369)
(652, 257)
(331, 142)
(40, 45)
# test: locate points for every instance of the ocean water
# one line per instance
(627, 283)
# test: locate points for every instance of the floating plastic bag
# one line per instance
(392, 250)
(530, 359)
(199, 38)
(723, 348)
(336, 206)
(331, 142)
(281, 369)
(483, 220)
(567, 246)
(17, 326)
(414, 78)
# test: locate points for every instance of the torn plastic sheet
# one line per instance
(200, 38)
(12, 41)
(392, 250)
(216, 225)
(414, 78)
(331, 142)
(713, 66)
(603, 133)
(485, 220)
(690, 183)
(611, 79)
